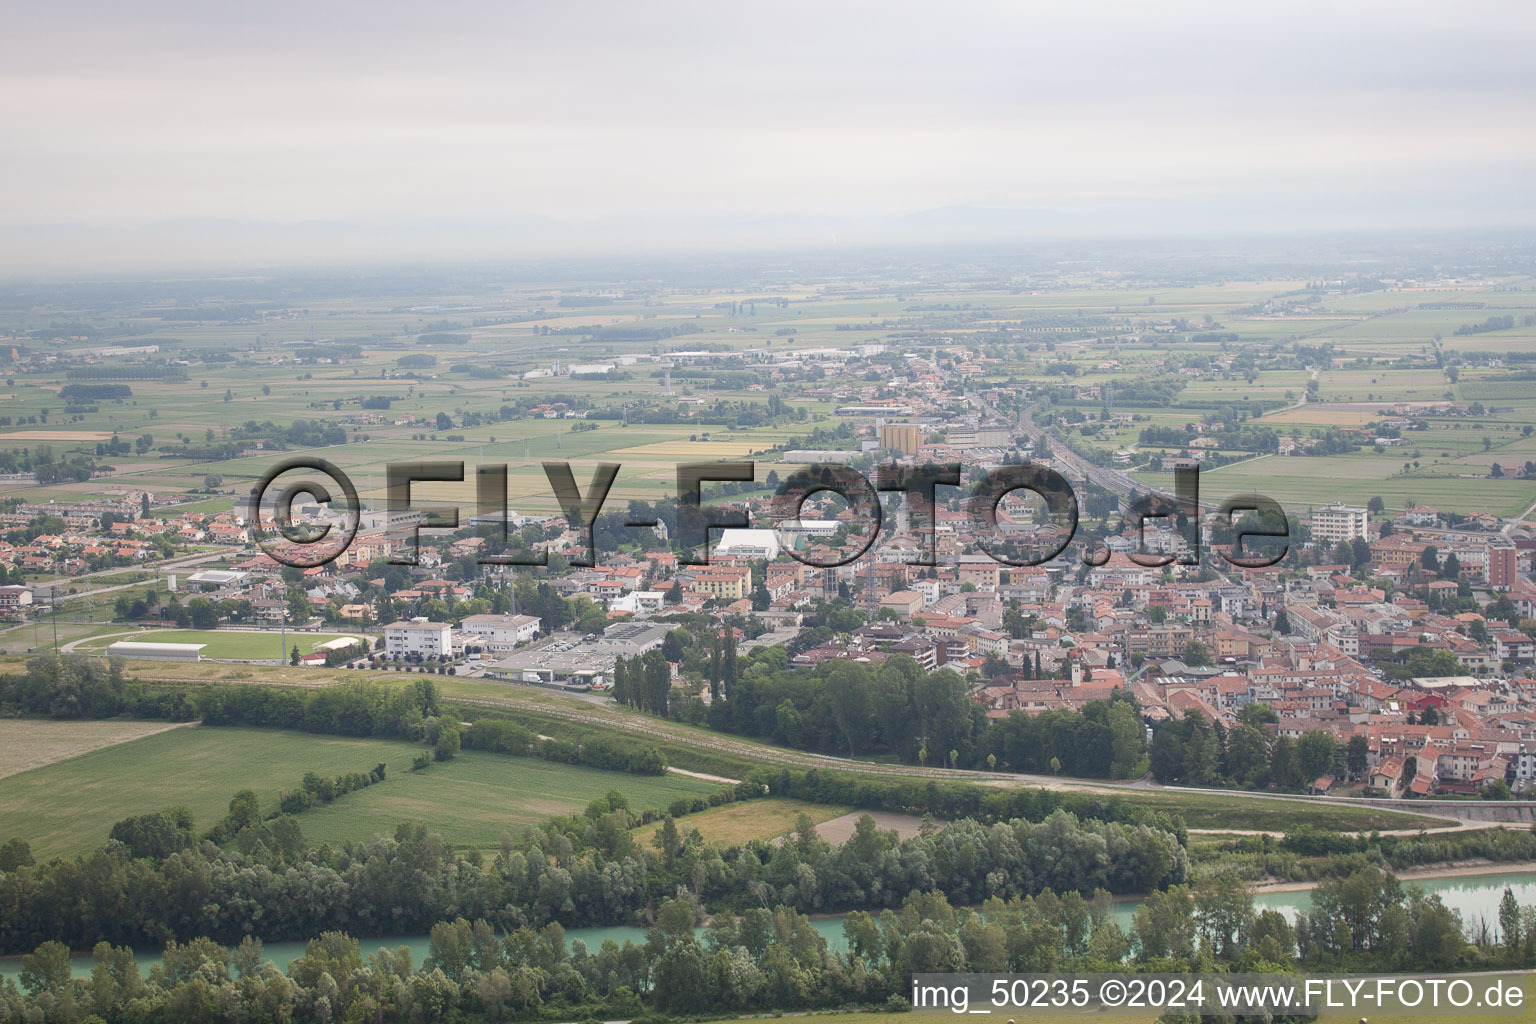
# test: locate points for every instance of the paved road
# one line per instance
(610, 716)
(158, 568)
(1111, 480)
(176, 565)
(592, 709)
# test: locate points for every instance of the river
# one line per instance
(1475, 896)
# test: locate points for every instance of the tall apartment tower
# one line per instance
(1334, 523)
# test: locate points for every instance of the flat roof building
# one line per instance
(502, 632)
(157, 652)
(1334, 523)
(420, 637)
(747, 544)
(818, 455)
(569, 659)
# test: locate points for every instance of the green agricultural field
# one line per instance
(1299, 482)
(242, 371)
(476, 797)
(228, 644)
(1388, 346)
(68, 807)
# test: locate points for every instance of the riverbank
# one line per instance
(1454, 869)
(1473, 889)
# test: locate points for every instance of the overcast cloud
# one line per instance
(668, 123)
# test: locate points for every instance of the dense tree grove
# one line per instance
(1306, 853)
(848, 707)
(351, 709)
(586, 870)
(1193, 751)
(768, 957)
(76, 686)
(299, 434)
(643, 681)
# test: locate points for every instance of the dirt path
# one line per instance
(702, 775)
(839, 830)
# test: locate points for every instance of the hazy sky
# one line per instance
(665, 120)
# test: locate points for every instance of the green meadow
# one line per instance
(68, 807)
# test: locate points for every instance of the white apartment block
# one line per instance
(641, 602)
(1334, 523)
(418, 636)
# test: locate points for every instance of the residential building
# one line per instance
(421, 637)
(1334, 523)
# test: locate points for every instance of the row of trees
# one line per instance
(644, 682)
(609, 753)
(767, 958)
(584, 871)
(75, 686)
(849, 707)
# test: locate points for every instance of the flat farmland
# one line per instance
(69, 806)
(1382, 386)
(650, 455)
(668, 452)
(67, 436)
(1269, 385)
(1298, 482)
(1519, 339)
(26, 744)
(1323, 414)
(474, 798)
(254, 372)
